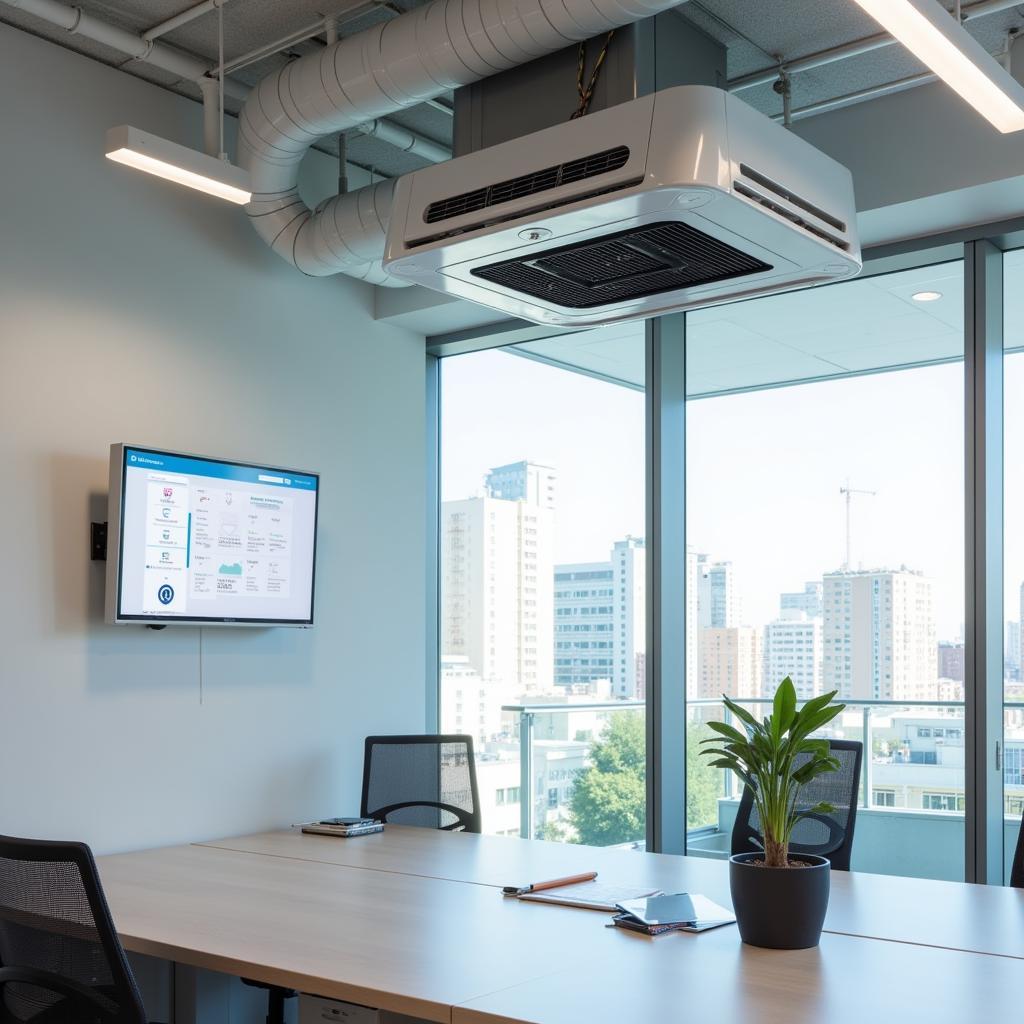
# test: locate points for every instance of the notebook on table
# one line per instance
(682, 911)
(595, 895)
(343, 827)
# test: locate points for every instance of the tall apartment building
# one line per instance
(524, 481)
(879, 635)
(692, 628)
(497, 566)
(1012, 655)
(629, 565)
(807, 600)
(584, 623)
(600, 621)
(717, 601)
(951, 661)
(793, 647)
(1020, 636)
(731, 662)
(468, 704)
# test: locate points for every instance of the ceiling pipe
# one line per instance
(417, 56)
(872, 92)
(202, 74)
(405, 140)
(766, 76)
(182, 19)
(167, 58)
(322, 26)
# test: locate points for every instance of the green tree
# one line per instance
(704, 784)
(609, 799)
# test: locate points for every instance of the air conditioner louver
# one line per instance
(527, 184)
(626, 265)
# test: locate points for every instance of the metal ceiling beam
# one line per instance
(853, 49)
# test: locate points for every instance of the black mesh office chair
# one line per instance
(429, 781)
(826, 835)
(61, 961)
(1017, 868)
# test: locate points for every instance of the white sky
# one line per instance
(764, 469)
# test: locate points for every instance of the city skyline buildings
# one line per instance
(593, 432)
(532, 626)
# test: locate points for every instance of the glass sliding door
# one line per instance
(825, 493)
(543, 587)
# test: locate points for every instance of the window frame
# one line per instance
(981, 250)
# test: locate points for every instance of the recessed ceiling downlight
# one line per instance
(926, 296)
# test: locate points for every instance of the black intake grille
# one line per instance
(630, 264)
(528, 184)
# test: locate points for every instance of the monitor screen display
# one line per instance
(193, 539)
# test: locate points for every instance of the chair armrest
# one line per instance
(79, 996)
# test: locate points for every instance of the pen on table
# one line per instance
(520, 890)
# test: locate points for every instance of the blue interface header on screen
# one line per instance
(136, 458)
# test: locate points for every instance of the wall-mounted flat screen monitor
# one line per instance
(194, 540)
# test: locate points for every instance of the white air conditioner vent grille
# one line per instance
(626, 265)
(528, 184)
(791, 197)
(793, 218)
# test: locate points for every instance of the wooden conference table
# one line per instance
(412, 921)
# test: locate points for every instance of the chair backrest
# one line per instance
(1017, 868)
(827, 835)
(429, 781)
(60, 957)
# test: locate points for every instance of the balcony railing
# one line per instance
(527, 719)
(872, 717)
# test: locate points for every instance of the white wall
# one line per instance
(133, 310)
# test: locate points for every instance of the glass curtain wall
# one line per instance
(825, 527)
(825, 464)
(543, 588)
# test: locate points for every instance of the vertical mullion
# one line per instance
(983, 640)
(432, 657)
(666, 583)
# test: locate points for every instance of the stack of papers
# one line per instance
(680, 912)
(343, 827)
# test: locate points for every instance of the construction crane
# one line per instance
(848, 492)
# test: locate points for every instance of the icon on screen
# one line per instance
(165, 594)
(166, 513)
(132, 457)
(168, 492)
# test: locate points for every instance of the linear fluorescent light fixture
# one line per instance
(934, 36)
(186, 166)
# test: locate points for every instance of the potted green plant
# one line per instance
(779, 900)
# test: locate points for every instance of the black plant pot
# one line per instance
(779, 908)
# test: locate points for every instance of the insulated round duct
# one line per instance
(417, 56)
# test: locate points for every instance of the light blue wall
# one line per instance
(131, 309)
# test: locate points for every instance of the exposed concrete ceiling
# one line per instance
(757, 34)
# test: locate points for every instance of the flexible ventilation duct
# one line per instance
(417, 56)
